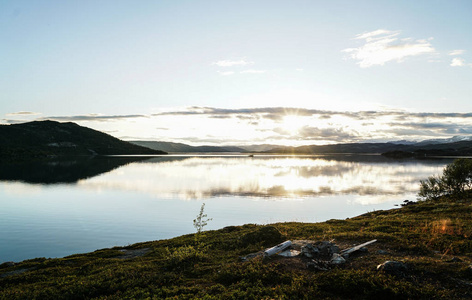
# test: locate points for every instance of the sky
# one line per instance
(241, 72)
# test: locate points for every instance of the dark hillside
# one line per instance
(462, 148)
(50, 138)
(180, 148)
(340, 148)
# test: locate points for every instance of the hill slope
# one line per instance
(461, 148)
(179, 147)
(422, 237)
(340, 148)
(45, 138)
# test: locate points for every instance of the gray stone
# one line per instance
(309, 251)
(316, 265)
(333, 249)
(251, 256)
(382, 252)
(327, 248)
(468, 271)
(337, 259)
(393, 267)
(454, 259)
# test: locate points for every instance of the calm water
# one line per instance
(64, 207)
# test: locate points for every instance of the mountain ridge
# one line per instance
(455, 146)
(50, 138)
(181, 148)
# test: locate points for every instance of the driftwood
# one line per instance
(278, 248)
(355, 248)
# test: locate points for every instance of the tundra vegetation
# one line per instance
(432, 238)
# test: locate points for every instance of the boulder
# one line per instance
(393, 267)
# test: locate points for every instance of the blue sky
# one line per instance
(238, 72)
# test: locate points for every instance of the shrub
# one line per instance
(455, 181)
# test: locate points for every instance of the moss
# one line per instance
(425, 236)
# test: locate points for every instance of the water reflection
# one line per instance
(64, 170)
(203, 177)
(58, 208)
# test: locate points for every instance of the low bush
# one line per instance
(455, 181)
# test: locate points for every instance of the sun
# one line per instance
(292, 124)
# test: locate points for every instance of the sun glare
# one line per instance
(292, 124)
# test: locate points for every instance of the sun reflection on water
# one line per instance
(199, 177)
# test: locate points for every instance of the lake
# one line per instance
(62, 207)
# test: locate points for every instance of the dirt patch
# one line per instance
(133, 253)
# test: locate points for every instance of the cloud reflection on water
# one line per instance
(268, 177)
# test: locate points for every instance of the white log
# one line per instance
(350, 250)
(278, 248)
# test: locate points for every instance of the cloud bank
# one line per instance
(281, 125)
(22, 113)
(91, 117)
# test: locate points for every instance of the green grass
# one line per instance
(424, 236)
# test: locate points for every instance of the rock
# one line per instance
(327, 248)
(382, 252)
(309, 251)
(251, 256)
(393, 267)
(468, 271)
(454, 259)
(316, 265)
(333, 249)
(337, 259)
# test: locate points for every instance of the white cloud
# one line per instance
(457, 62)
(372, 34)
(382, 46)
(456, 52)
(231, 63)
(227, 73)
(251, 71)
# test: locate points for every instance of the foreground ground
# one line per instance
(432, 239)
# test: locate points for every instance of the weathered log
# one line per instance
(355, 248)
(278, 248)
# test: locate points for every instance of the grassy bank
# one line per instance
(432, 238)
